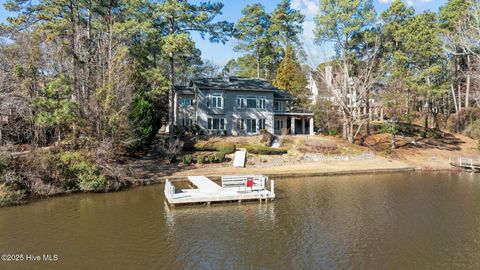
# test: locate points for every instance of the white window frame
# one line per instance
(211, 123)
(252, 124)
(262, 102)
(218, 98)
(240, 124)
(240, 102)
(186, 104)
(250, 97)
(279, 107)
(186, 122)
(278, 124)
(261, 124)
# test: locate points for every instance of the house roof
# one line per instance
(234, 83)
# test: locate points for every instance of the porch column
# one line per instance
(292, 125)
(303, 125)
(312, 131)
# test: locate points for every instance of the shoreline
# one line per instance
(278, 176)
(182, 178)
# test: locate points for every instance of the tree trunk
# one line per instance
(171, 92)
(467, 92)
(257, 54)
(394, 140)
(367, 105)
(454, 98)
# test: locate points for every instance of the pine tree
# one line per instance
(286, 24)
(290, 76)
(251, 31)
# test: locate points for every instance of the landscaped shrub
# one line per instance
(220, 157)
(200, 159)
(225, 147)
(9, 196)
(211, 158)
(187, 159)
(267, 137)
(265, 150)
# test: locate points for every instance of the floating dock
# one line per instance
(234, 188)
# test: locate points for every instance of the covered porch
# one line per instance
(294, 122)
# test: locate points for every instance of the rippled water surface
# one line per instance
(396, 221)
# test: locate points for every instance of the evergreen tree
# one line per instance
(56, 109)
(291, 77)
(251, 31)
(286, 24)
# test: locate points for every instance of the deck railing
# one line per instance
(465, 162)
(241, 181)
(169, 189)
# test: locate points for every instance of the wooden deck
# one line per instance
(466, 163)
(208, 191)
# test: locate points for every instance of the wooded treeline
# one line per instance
(417, 66)
(103, 71)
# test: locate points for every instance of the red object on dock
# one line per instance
(249, 182)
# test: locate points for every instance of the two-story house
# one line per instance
(239, 106)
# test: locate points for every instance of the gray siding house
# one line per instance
(239, 106)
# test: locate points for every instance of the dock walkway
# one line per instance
(204, 183)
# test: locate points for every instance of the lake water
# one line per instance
(389, 221)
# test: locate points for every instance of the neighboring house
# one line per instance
(318, 86)
(239, 106)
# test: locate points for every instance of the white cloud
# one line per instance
(309, 8)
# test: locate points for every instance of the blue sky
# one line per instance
(221, 53)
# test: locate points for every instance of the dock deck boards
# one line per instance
(203, 183)
(208, 191)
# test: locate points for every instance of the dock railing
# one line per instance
(465, 162)
(169, 189)
(240, 181)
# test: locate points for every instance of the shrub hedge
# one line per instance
(187, 159)
(200, 159)
(220, 157)
(224, 147)
(265, 150)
